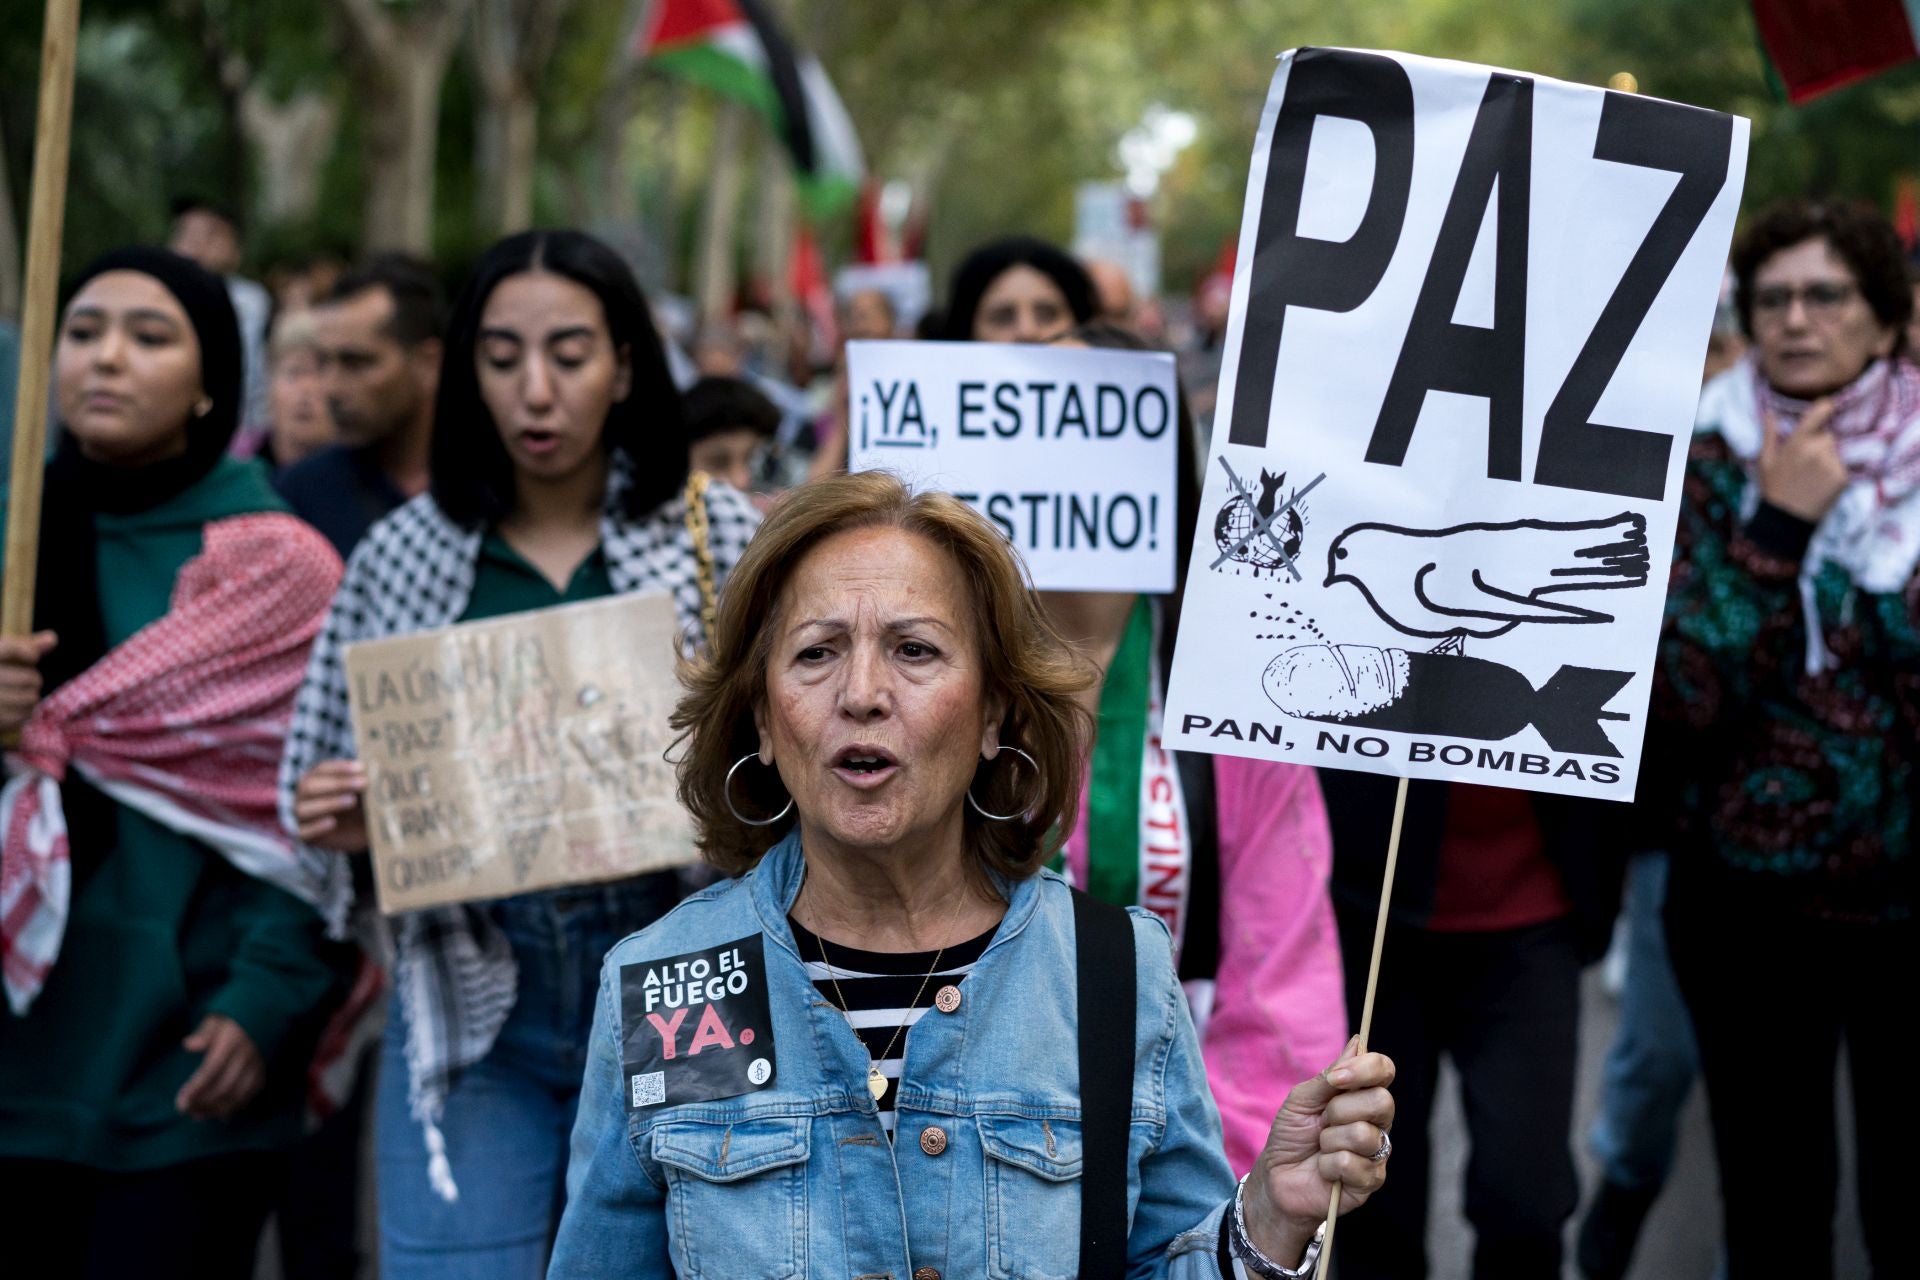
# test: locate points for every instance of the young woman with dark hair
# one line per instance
(558, 468)
(166, 969)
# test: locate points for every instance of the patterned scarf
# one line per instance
(1876, 421)
(454, 974)
(183, 723)
(1873, 529)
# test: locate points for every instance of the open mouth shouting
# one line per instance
(539, 442)
(865, 767)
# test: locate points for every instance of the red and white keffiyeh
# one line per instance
(1873, 528)
(184, 723)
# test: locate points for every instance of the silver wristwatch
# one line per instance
(1248, 1254)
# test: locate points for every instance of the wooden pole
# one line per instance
(1324, 1270)
(47, 207)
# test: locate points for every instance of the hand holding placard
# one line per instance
(1472, 309)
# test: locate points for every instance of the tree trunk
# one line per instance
(520, 143)
(489, 157)
(292, 142)
(400, 64)
(773, 232)
(402, 148)
(715, 279)
(676, 188)
(513, 42)
(613, 197)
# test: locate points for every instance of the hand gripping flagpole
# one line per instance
(47, 208)
(1366, 1008)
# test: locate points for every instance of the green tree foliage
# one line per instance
(996, 108)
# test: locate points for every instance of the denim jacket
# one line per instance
(799, 1179)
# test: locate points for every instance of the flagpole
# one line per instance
(1366, 1007)
(47, 207)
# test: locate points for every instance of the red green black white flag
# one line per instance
(734, 47)
(1820, 45)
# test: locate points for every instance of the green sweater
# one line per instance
(163, 933)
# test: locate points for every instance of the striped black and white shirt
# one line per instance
(879, 988)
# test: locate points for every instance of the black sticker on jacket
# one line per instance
(696, 1027)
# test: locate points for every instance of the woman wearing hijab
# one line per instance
(1789, 713)
(165, 966)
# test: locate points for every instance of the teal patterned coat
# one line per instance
(1789, 790)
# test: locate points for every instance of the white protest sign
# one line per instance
(1456, 394)
(1070, 452)
(521, 752)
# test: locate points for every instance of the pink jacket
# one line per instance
(1279, 1009)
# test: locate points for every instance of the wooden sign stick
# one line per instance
(47, 209)
(1366, 1007)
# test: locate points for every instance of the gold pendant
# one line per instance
(876, 1083)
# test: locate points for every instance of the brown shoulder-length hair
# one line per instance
(1024, 659)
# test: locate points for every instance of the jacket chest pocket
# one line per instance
(736, 1196)
(1033, 1197)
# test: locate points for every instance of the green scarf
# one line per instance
(1113, 786)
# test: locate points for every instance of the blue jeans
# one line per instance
(509, 1117)
(1651, 1067)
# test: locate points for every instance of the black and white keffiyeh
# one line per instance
(453, 970)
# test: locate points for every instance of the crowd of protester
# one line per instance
(246, 481)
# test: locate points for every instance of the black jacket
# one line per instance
(1586, 839)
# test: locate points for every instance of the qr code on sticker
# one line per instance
(650, 1089)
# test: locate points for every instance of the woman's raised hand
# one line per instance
(1802, 473)
(328, 809)
(20, 677)
(1327, 1132)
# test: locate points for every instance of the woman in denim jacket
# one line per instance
(880, 744)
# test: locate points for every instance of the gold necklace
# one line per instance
(877, 1083)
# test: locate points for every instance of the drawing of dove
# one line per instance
(1484, 580)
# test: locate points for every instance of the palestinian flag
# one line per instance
(1820, 45)
(733, 47)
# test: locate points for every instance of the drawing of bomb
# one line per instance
(1484, 580)
(1261, 533)
(1442, 694)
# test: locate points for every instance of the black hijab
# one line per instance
(67, 595)
(66, 588)
(984, 265)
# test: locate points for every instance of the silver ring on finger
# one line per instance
(1386, 1147)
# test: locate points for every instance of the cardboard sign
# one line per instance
(1070, 452)
(1459, 380)
(697, 1027)
(520, 753)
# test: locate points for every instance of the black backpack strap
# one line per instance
(1200, 947)
(1108, 983)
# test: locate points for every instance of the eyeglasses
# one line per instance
(1823, 299)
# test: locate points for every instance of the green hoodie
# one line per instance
(164, 932)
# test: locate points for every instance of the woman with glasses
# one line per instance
(1788, 720)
